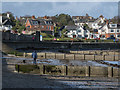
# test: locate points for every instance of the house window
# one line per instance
(112, 30)
(111, 35)
(28, 26)
(42, 26)
(103, 36)
(79, 31)
(86, 35)
(117, 30)
(80, 36)
(113, 25)
(46, 27)
(103, 30)
(118, 35)
(49, 27)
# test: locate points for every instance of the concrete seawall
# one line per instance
(60, 45)
(78, 70)
(109, 56)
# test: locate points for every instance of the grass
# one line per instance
(75, 39)
(16, 53)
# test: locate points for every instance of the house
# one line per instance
(77, 32)
(97, 23)
(77, 18)
(42, 25)
(81, 20)
(5, 22)
(110, 30)
(23, 19)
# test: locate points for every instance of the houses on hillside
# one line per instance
(85, 26)
(99, 28)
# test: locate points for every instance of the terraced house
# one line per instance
(110, 30)
(42, 25)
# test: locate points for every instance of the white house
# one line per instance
(5, 23)
(97, 23)
(77, 32)
(110, 30)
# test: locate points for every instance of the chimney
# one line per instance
(33, 17)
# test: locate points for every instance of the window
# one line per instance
(103, 36)
(112, 30)
(103, 30)
(117, 30)
(86, 35)
(80, 36)
(118, 35)
(42, 26)
(28, 26)
(111, 35)
(46, 27)
(113, 25)
(79, 31)
(49, 27)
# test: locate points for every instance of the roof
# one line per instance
(81, 21)
(72, 27)
(40, 22)
(6, 21)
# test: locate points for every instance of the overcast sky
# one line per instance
(95, 9)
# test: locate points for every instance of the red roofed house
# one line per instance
(42, 25)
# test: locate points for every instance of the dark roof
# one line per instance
(73, 27)
(6, 21)
(40, 22)
(81, 21)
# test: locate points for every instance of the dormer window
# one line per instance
(112, 30)
(113, 25)
(118, 30)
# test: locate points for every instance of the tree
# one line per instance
(62, 32)
(63, 19)
(18, 27)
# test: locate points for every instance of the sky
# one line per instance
(95, 9)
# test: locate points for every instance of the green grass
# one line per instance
(74, 39)
(16, 53)
(27, 68)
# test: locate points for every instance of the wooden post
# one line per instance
(84, 56)
(43, 69)
(110, 71)
(103, 57)
(18, 68)
(45, 55)
(88, 71)
(66, 70)
(24, 54)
